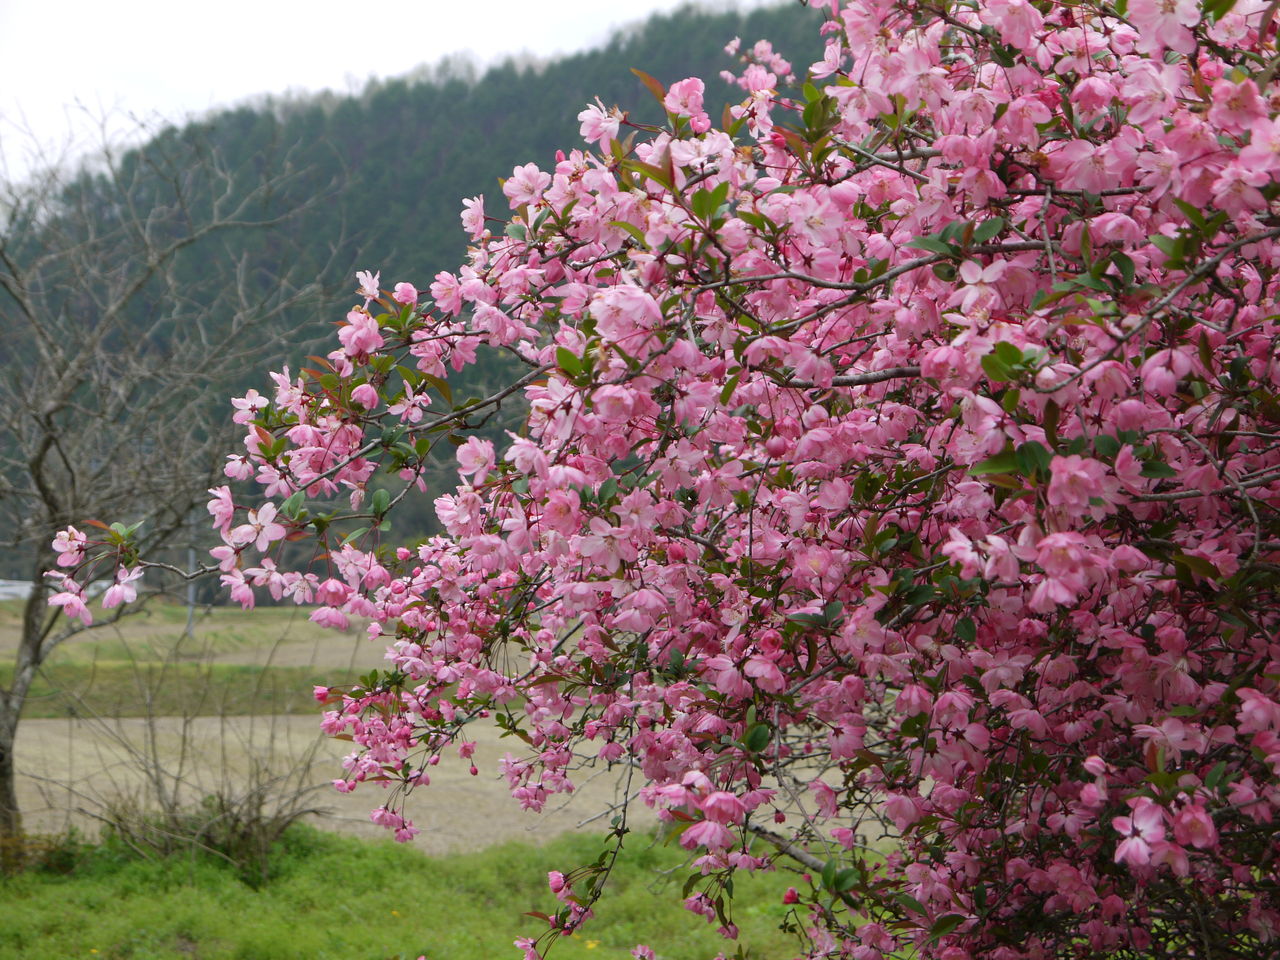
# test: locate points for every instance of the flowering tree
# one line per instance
(899, 485)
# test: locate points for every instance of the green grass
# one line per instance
(145, 667)
(115, 689)
(339, 897)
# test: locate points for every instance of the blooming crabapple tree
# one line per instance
(897, 494)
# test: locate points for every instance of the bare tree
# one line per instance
(133, 293)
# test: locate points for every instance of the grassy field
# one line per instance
(235, 663)
(113, 703)
(158, 689)
(340, 897)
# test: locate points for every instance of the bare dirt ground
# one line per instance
(73, 770)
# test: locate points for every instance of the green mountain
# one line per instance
(404, 153)
(370, 181)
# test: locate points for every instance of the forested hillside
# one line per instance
(373, 180)
(405, 152)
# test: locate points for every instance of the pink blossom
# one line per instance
(73, 605)
(684, 97)
(1163, 24)
(368, 284)
(360, 335)
(473, 220)
(901, 810)
(248, 406)
(365, 395)
(1237, 107)
(1236, 189)
(598, 124)
(332, 592)
(723, 807)
(707, 833)
(1016, 21)
(475, 459)
(1194, 827)
(1075, 481)
(260, 529)
(1263, 151)
(1143, 827)
(123, 590)
(526, 185)
(69, 545)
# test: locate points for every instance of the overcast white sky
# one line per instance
(65, 62)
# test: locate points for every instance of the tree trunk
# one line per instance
(10, 815)
(32, 649)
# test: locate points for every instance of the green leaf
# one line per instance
(965, 631)
(1171, 247)
(829, 874)
(1091, 282)
(807, 619)
(912, 904)
(720, 194)
(728, 389)
(1158, 469)
(812, 114)
(702, 205)
(1198, 566)
(355, 535)
(1032, 456)
(988, 229)
(945, 925)
(995, 368)
(380, 502)
(1215, 775)
(657, 174)
(292, 505)
(1217, 8)
(1007, 352)
(846, 880)
(914, 727)
(934, 244)
(921, 593)
(441, 385)
(1125, 266)
(1052, 416)
(1002, 54)
(757, 220)
(568, 361)
(757, 738)
(631, 228)
(1106, 446)
(1006, 462)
